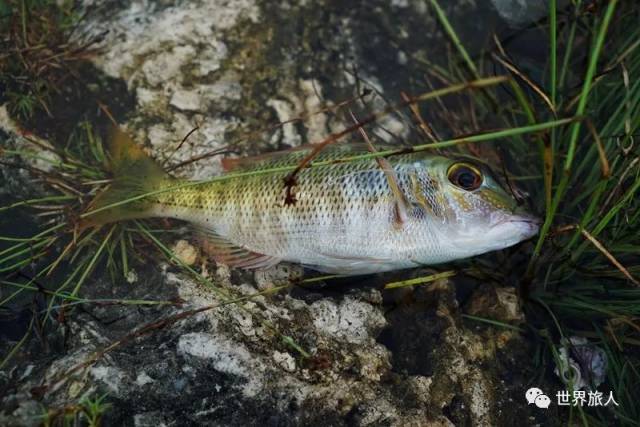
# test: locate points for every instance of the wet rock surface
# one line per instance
(216, 71)
(418, 364)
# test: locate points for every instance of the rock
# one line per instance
(352, 320)
(225, 356)
(186, 100)
(518, 13)
(278, 275)
(113, 378)
(285, 361)
(185, 252)
(521, 12)
(28, 414)
(450, 366)
(143, 379)
(495, 303)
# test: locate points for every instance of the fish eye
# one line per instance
(465, 176)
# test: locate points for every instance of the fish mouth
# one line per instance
(524, 218)
(506, 230)
(530, 224)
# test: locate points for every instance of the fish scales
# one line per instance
(347, 217)
(343, 210)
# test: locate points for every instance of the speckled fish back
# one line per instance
(342, 215)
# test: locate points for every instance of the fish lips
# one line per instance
(520, 226)
(503, 230)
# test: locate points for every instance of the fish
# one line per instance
(341, 217)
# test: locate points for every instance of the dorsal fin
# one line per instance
(235, 164)
(294, 156)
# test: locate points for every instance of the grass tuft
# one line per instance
(39, 47)
(583, 272)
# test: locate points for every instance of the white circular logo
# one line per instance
(532, 393)
(537, 397)
(542, 401)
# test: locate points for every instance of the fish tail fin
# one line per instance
(134, 175)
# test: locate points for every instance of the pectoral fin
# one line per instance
(225, 252)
